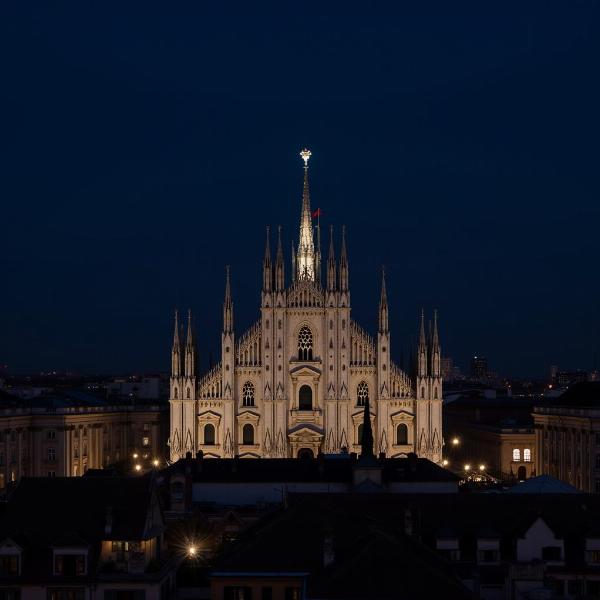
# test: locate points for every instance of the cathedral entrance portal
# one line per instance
(305, 453)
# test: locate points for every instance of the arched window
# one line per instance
(209, 434)
(362, 393)
(305, 398)
(248, 394)
(359, 434)
(305, 343)
(527, 455)
(248, 435)
(402, 434)
(516, 455)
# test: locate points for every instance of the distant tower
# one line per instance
(305, 259)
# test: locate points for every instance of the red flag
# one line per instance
(317, 213)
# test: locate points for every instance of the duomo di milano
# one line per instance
(296, 383)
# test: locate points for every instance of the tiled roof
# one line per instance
(334, 469)
(370, 559)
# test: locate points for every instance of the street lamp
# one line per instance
(467, 467)
(155, 462)
(455, 441)
(138, 467)
(482, 467)
(192, 551)
(445, 462)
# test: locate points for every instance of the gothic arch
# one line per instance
(305, 397)
(248, 435)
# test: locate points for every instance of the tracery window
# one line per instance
(248, 435)
(362, 393)
(305, 343)
(402, 434)
(248, 394)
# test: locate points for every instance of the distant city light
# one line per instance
(135, 455)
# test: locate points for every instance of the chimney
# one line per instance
(412, 461)
(108, 523)
(328, 552)
(408, 521)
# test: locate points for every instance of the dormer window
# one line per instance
(70, 563)
(552, 553)
(449, 548)
(10, 559)
(488, 550)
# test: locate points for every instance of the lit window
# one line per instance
(145, 441)
(527, 455)
(516, 455)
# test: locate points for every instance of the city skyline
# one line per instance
(153, 167)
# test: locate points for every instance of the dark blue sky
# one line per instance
(143, 149)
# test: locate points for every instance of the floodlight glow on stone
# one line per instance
(305, 154)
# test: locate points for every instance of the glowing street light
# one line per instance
(155, 462)
(467, 467)
(192, 551)
(138, 467)
(445, 462)
(455, 441)
(135, 455)
(482, 467)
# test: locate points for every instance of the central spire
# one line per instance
(305, 261)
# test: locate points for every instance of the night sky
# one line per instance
(143, 149)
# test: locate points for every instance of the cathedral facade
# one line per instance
(296, 383)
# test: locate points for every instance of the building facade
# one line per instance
(296, 383)
(568, 437)
(65, 434)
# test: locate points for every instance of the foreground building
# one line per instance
(296, 382)
(567, 431)
(66, 432)
(511, 546)
(80, 538)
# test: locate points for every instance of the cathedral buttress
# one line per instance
(267, 315)
(228, 378)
